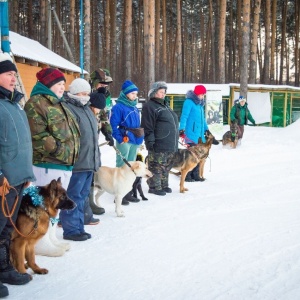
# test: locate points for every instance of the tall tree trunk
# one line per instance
(254, 40)
(297, 45)
(87, 35)
(106, 58)
(164, 40)
(157, 38)
(283, 39)
(113, 38)
(222, 31)
(178, 54)
(266, 74)
(128, 38)
(245, 56)
(149, 31)
(72, 28)
(273, 40)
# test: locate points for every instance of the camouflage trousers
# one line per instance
(160, 166)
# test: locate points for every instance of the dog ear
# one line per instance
(59, 180)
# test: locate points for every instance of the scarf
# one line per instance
(123, 99)
(82, 99)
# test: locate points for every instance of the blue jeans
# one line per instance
(72, 221)
(128, 150)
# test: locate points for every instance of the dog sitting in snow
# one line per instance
(38, 206)
(230, 137)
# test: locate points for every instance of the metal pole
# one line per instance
(81, 38)
(63, 36)
(49, 26)
(4, 24)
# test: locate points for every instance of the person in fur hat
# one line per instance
(160, 124)
(15, 166)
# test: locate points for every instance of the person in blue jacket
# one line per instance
(125, 123)
(15, 167)
(193, 124)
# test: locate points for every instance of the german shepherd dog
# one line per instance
(137, 185)
(38, 205)
(185, 160)
(230, 137)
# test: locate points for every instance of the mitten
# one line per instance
(109, 138)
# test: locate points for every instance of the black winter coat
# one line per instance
(160, 123)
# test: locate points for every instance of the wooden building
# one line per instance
(30, 57)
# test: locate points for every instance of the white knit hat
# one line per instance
(79, 85)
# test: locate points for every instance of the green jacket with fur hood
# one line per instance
(54, 129)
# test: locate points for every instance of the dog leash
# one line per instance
(8, 214)
(123, 158)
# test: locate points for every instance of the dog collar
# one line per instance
(33, 192)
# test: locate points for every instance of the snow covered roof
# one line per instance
(267, 86)
(182, 88)
(30, 49)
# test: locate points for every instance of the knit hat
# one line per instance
(242, 98)
(6, 63)
(199, 90)
(98, 100)
(129, 87)
(79, 85)
(100, 76)
(157, 86)
(50, 76)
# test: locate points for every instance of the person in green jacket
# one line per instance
(240, 114)
(54, 129)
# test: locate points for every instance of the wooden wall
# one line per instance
(27, 75)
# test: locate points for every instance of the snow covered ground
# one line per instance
(235, 236)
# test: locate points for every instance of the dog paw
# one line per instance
(41, 271)
(120, 214)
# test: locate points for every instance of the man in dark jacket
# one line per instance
(15, 166)
(240, 114)
(160, 124)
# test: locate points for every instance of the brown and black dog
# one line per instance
(230, 137)
(39, 204)
(185, 160)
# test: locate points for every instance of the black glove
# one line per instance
(110, 139)
(101, 90)
(181, 133)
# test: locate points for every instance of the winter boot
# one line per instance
(195, 174)
(159, 192)
(189, 177)
(8, 273)
(130, 198)
(3, 290)
(95, 209)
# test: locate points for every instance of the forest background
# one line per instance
(191, 41)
